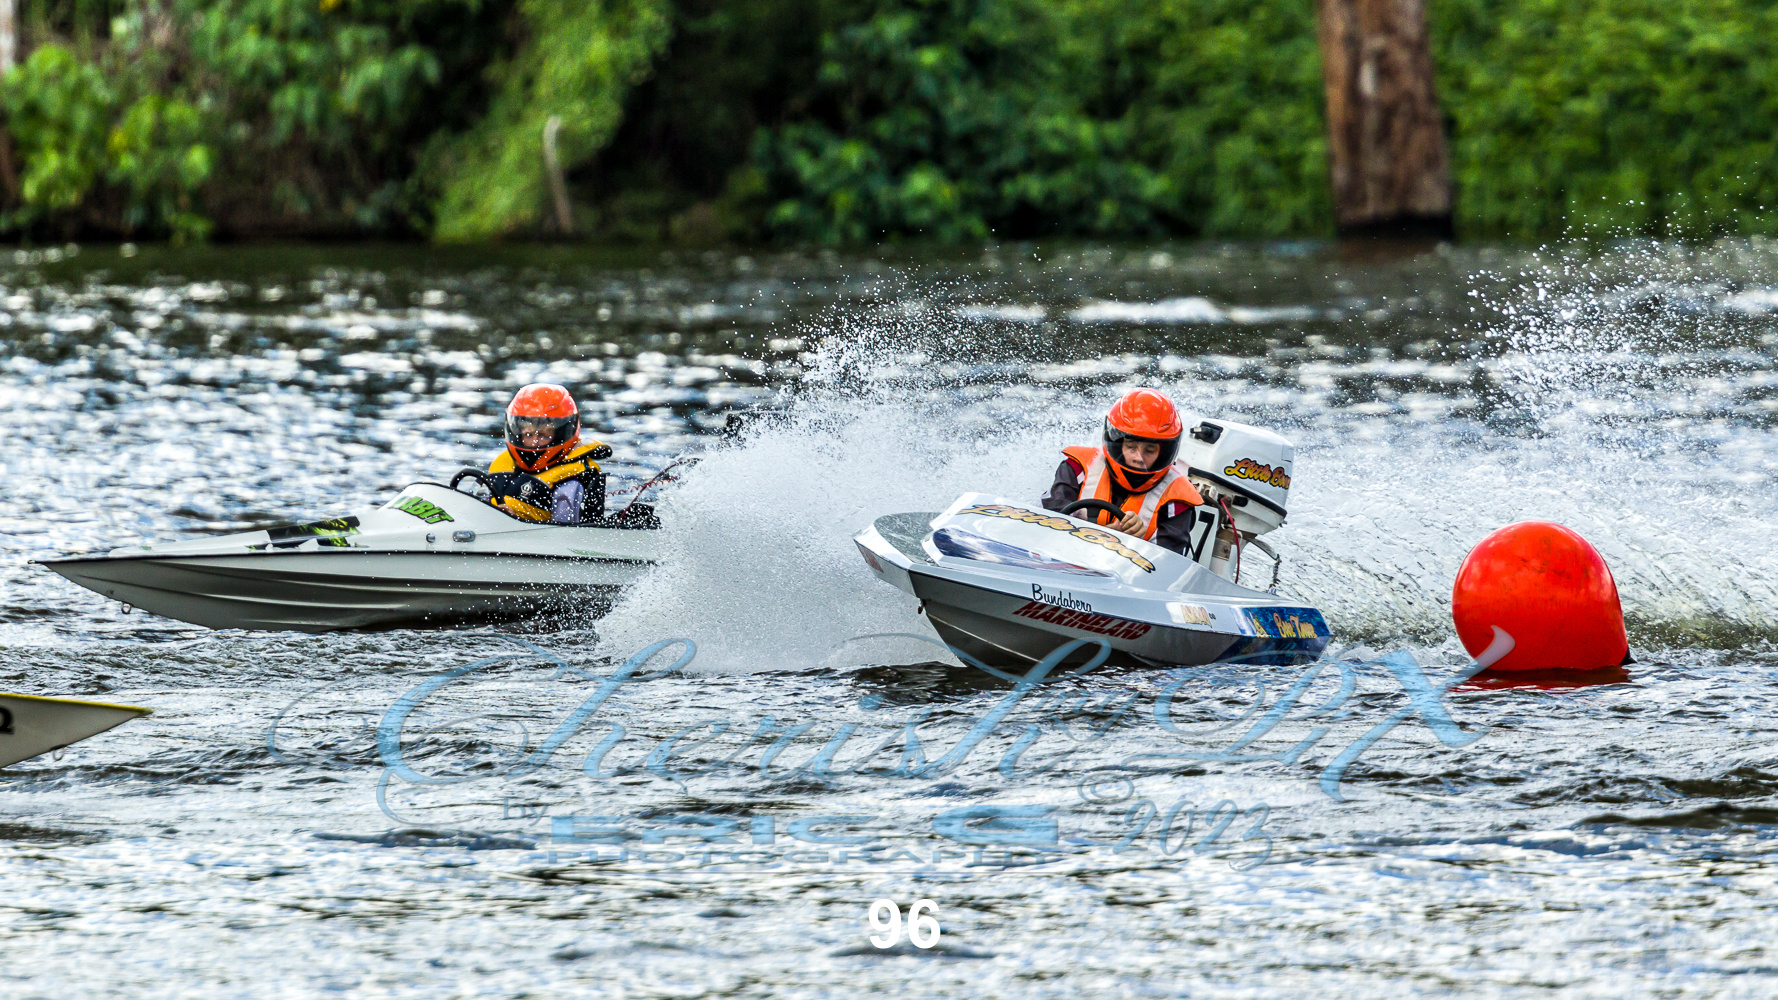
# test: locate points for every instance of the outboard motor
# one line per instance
(1243, 473)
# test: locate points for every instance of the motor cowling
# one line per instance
(1247, 466)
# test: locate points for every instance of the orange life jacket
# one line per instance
(1095, 484)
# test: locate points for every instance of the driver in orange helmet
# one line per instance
(547, 472)
(1133, 469)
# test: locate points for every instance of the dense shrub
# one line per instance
(90, 142)
(263, 115)
(317, 105)
(955, 119)
(1657, 117)
(578, 64)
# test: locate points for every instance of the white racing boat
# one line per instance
(432, 555)
(1006, 582)
(31, 725)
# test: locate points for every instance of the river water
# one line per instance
(300, 817)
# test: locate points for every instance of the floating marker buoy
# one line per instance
(1548, 589)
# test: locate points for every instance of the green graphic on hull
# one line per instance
(428, 512)
(331, 533)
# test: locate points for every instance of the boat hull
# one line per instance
(1045, 581)
(986, 624)
(431, 556)
(333, 589)
(31, 725)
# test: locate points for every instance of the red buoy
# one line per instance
(1548, 589)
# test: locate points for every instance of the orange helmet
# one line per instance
(542, 423)
(1142, 415)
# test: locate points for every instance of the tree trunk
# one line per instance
(9, 34)
(1386, 143)
(552, 165)
(9, 48)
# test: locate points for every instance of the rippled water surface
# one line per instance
(299, 817)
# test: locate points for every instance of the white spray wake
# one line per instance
(763, 573)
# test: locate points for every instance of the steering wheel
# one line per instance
(475, 474)
(1116, 512)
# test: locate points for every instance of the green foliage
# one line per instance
(1607, 117)
(951, 118)
(82, 26)
(274, 115)
(1234, 109)
(77, 132)
(322, 104)
(305, 72)
(678, 165)
(578, 64)
(59, 110)
(157, 157)
(859, 120)
(954, 119)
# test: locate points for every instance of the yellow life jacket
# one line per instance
(1095, 484)
(578, 462)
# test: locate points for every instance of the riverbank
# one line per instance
(739, 122)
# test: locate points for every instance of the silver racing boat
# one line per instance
(432, 555)
(1007, 582)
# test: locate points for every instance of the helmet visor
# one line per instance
(1166, 451)
(535, 435)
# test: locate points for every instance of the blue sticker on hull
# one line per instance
(1282, 636)
(1287, 623)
